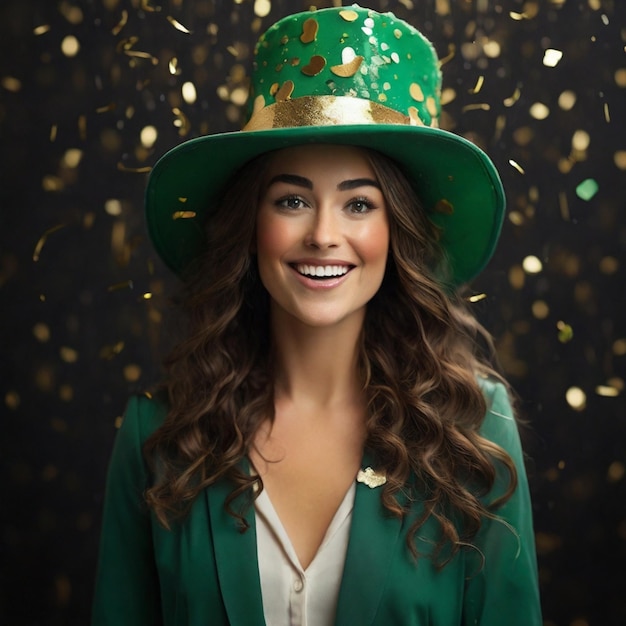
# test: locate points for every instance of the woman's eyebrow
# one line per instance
(292, 179)
(357, 182)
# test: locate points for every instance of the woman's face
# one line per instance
(322, 234)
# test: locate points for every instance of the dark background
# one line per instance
(84, 300)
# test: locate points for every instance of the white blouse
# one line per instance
(293, 596)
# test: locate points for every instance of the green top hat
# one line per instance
(338, 76)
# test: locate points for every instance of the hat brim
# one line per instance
(456, 181)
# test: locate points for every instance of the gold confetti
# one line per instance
(415, 91)
(43, 239)
(183, 215)
(607, 391)
(135, 170)
(576, 398)
(483, 106)
(477, 297)
(349, 16)
(511, 100)
(10, 83)
(309, 30)
(517, 166)
(126, 284)
(145, 6)
(315, 65)
(478, 86)
(444, 206)
(285, 91)
(345, 70)
(123, 21)
(41, 30)
(109, 352)
(566, 332)
(607, 113)
(106, 108)
(177, 25)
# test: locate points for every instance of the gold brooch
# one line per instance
(370, 478)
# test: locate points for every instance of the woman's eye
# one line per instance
(291, 202)
(360, 205)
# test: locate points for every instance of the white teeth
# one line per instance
(322, 270)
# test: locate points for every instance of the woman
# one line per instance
(329, 447)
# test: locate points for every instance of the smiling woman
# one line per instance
(330, 445)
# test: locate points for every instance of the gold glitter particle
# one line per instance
(607, 391)
(41, 332)
(189, 93)
(511, 100)
(619, 158)
(478, 86)
(181, 122)
(540, 309)
(444, 206)
(532, 265)
(70, 46)
(382, 97)
(66, 393)
(609, 265)
(576, 398)
(285, 91)
(68, 355)
(397, 33)
(483, 106)
(620, 77)
(349, 16)
(109, 352)
(262, 8)
(616, 472)
(619, 347)
(42, 241)
(177, 25)
(134, 170)
(416, 92)
(132, 372)
(345, 70)
(477, 297)
(123, 21)
(11, 83)
(183, 215)
(12, 400)
(517, 166)
(566, 332)
(315, 65)
(539, 111)
(126, 284)
(551, 57)
(273, 91)
(41, 30)
(567, 100)
(147, 296)
(309, 30)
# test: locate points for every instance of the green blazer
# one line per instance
(204, 572)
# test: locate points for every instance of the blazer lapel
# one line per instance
(373, 535)
(236, 556)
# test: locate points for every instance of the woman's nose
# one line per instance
(324, 230)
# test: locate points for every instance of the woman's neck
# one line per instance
(316, 366)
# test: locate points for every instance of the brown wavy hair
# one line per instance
(421, 352)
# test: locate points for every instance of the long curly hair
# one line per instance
(420, 355)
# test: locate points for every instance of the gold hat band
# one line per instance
(328, 111)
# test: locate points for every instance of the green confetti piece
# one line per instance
(587, 189)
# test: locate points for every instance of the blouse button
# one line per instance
(298, 585)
